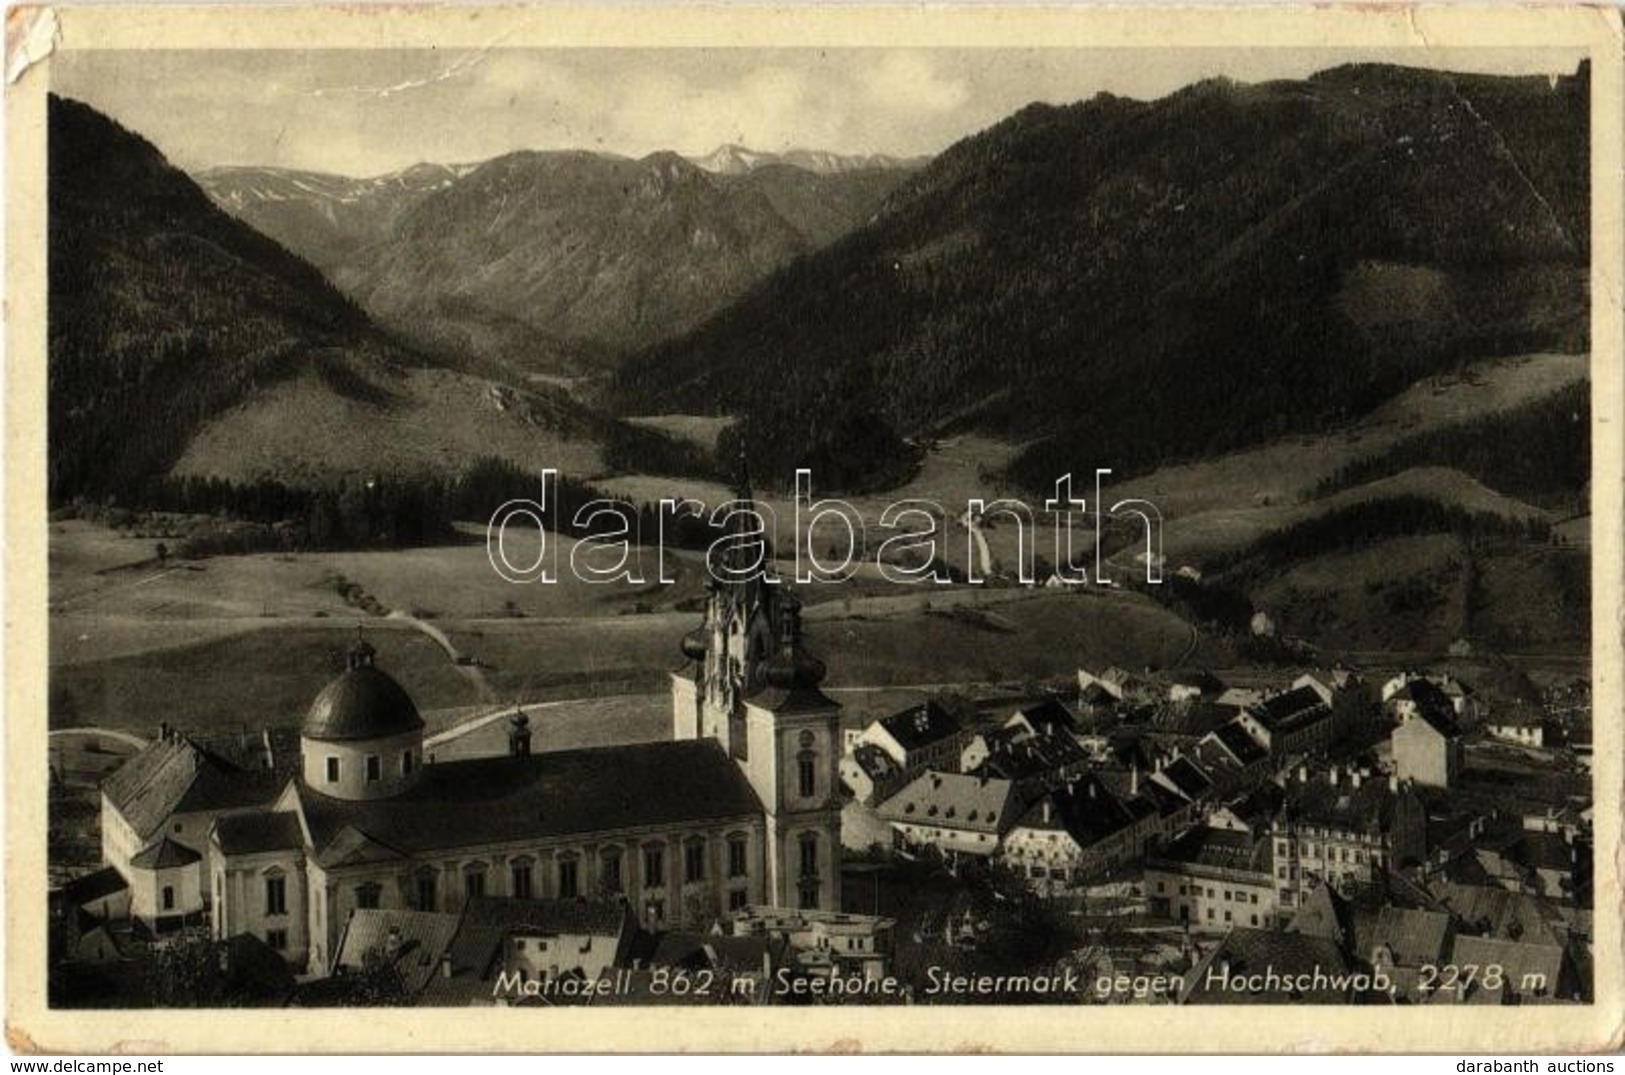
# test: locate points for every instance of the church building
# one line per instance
(739, 808)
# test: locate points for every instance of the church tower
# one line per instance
(731, 647)
(751, 686)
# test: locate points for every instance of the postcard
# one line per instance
(813, 528)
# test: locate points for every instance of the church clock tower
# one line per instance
(753, 688)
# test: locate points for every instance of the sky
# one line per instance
(365, 112)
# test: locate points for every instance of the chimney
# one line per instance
(1393, 782)
(445, 965)
(1331, 776)
(1354, 778)
(1046, 810)
(1134, 779)
(1303, 774)
(163, 730)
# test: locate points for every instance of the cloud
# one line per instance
(911, 81)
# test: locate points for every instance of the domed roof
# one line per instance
(363, 703)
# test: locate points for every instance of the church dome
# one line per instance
(363, 703)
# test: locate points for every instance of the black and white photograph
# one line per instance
(808, 527)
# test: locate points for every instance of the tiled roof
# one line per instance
(1495, 911)
(1250, 952)
(1200, 678)
(1187, 777)
(1235, 738)
(165, 854)
(954, 801)
(1367, 808)
(705, 950)
(920, 726)
(1291, 709)
(421, 937)
(1432, 705)
(1221, 849)
(1048, 716)
(1544, 851)
(174, 775)
(1414, 936)
(487, 921)
(1190, 718)
(90, 887)
(252, 833)
(1517, 960)
(1324, 914)
(495, 800)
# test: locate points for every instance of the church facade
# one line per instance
(739, 808)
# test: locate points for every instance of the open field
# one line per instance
(119, 663)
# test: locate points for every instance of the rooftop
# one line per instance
(495, 800)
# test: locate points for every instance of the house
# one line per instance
(176, 788)
(870, 774)
(1525, 727)
(736, 966)
(953, 812)
(1345, 828)
(166, 886)
(1295, 721)
(1405, 944)
(414, 943)
(1079, 833)
(1413, 695)
(506, 950)
(1035, 763)
(90, 918)
(1235, 754)
(825, 942)
(1047, 718)
(1239, 698)
(1269, 966)
(1396, 695)
(1120, 685)
(1190, 685)
(925, 736)
(1213, 879)
(1530, 971)
(1427, 746)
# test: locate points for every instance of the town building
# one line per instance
(956, 813)
(921, 737)
(1213, 879)
(1427, 746)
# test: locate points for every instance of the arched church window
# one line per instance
(694, 860)
(738, 855)
(808, 844)
(424, 887)
(609, 869)
(807, 774)
(569, 871)
(474, 879)
(522, 874)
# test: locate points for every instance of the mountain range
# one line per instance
(555, 262)
(183, 341)
(1122, 283)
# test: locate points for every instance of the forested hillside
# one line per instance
(1121, 283)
